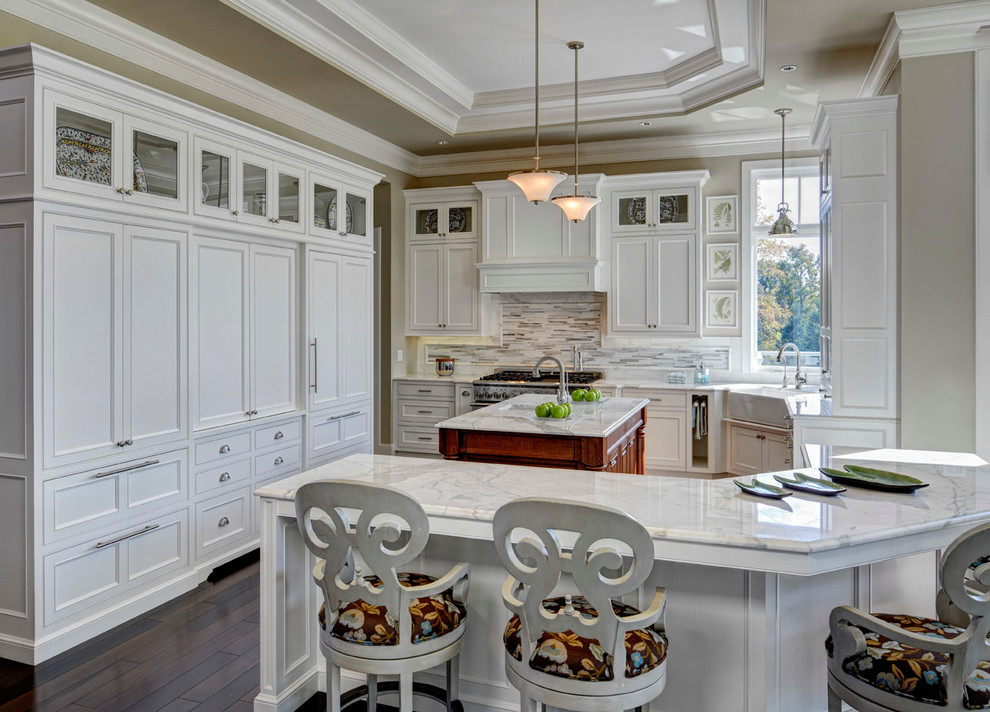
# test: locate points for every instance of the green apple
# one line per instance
(567, 407)
(579, 394)
(542, 411)
(558, 411)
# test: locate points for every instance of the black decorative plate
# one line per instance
(811, 485)
(761, 489)
(874, 479)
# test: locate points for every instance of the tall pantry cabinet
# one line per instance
(182, 320)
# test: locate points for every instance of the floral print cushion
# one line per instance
(367, 624)
(911, 672)
(569, 655)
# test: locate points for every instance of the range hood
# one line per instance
(534, 248)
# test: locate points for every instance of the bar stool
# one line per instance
(583, 651)
(911, 664)
(389, 622)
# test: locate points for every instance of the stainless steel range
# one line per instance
(508, 382)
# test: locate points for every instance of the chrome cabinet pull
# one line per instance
(224, 476)
(223, 522)
(315, 385)
(345, 415)
(426, 412)
(425, 437)
(426, 390)
(465, 393)
(278, 435)
(110, 473)
(278, 460)
(121, 443)
(128, 442)
(224, 449)
(150, 527)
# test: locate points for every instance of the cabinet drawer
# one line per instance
(76, 504)
(336, 432)
(221, 521)
(276, 435)
(228, 447)
(426, 412)
(658, 398)
(425, 389)
(280, 459)
(228, 476)
(89, 574)
(418, 440)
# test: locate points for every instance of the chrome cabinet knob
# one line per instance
(278, 460)
(121, 191)
(235, 212)
(225, 477)
(223, 522)
(224, 449)
(278, 435)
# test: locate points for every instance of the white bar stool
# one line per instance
(390, 622)
(585, 651)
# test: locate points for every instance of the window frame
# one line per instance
(750, 234)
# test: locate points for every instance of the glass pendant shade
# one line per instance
(783, 225)
(537, 185)
(576, 207)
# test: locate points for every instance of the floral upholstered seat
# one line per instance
(911, 672)
(367, 624)
(571, 656)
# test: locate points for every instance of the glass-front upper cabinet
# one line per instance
(255, 175)
(288, 212)
(656, 210)
(339, 211)
(217, 193)
(454, 220)
(91, 150)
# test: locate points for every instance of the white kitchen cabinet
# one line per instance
(114, 330)
(442, 214)
(418, 406)
(442, 288)
(756, 449)
(655, 285)
(666, 438)
(243, 336)
(651, 210)
(857, 143)
(340, 211)
(339, 305)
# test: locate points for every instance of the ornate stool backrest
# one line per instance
(383, 515)
(536, 562)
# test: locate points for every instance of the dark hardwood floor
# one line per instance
(198, 652)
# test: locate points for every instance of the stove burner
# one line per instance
(573, 377)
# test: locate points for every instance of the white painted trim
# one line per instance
(982, 261)
(92, 25)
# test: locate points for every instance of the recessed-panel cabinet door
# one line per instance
(777, 455)
(676, 284)
(324, 284)
(425, 288)
(273, 333)
(82, 338)
(154, 335)
(746, 448)
(632, 274)
(220, 353)
(461, 298)
(666, 439)
(356, 318)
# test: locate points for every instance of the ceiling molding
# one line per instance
(737, 143)
(945, 29)
(92, 25)
(338, 51)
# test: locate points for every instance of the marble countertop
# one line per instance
(706, 521)
(517, 415)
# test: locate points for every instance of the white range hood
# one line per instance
(534, 248)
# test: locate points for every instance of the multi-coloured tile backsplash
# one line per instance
(558, 322)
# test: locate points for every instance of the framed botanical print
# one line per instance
(721, 212)
(722, 260)
(720, 309)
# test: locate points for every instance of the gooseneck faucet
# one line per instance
(562, 388)
(799, 378)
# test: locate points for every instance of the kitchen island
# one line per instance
(606, 435)
(750, 582)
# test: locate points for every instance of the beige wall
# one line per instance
(937, 255)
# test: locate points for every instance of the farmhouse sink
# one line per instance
(767, 406)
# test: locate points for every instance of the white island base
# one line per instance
(750, 582)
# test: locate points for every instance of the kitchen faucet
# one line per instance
(562, 389)
(578, 359)
(799, 378)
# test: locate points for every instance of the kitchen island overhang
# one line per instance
(750, 582)
(607, 435)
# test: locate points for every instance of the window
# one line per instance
(784, 284)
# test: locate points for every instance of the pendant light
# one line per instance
(576, 207)
(537, 185)
(783, 225)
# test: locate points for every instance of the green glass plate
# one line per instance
(761, 489)
(811, 485)
(874, 479)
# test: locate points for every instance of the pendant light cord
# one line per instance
(576, 46)
(783, 121)
(536, 83)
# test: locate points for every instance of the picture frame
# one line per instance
(721, 309)
(722, 260)
(722, 214)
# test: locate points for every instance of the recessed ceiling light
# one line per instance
(646, 123)
(442, 142)
(788, 68)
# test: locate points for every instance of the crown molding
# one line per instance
(92, 25)
(737, 143)
(945, 29)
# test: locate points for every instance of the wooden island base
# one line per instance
(622, 450)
